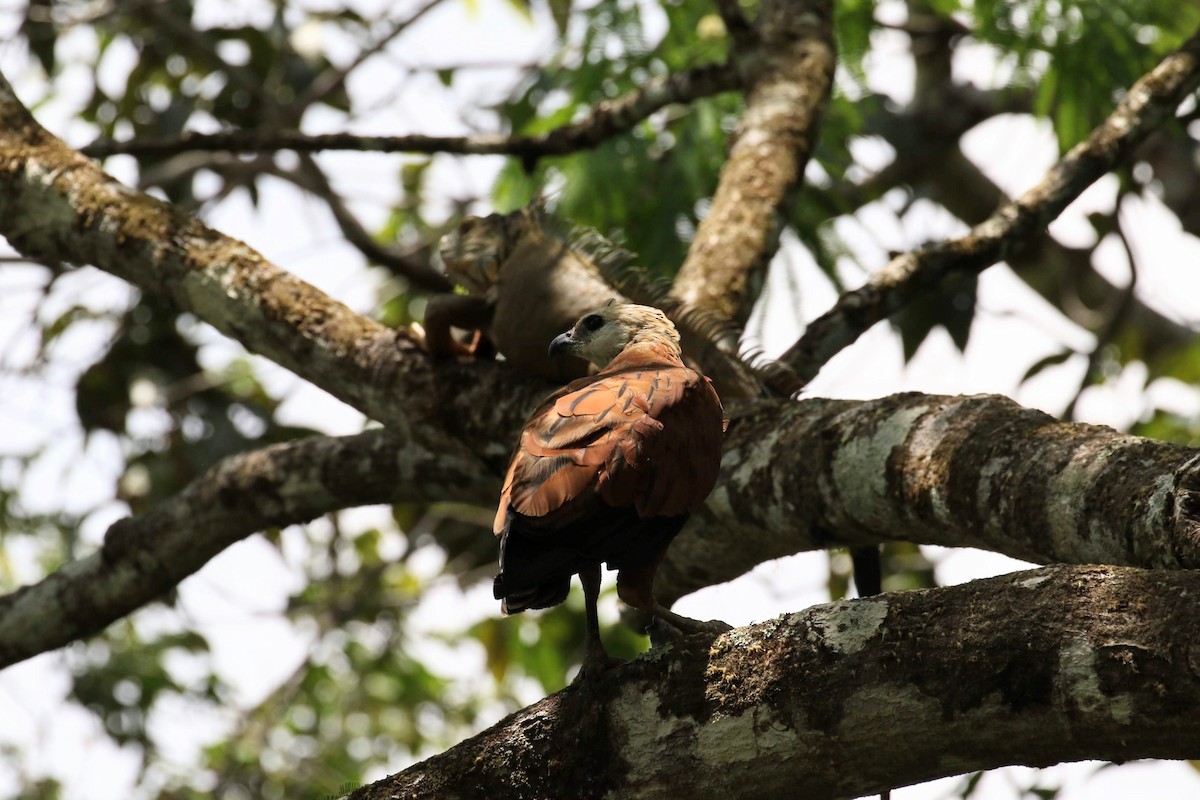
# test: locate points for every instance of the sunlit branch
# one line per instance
(789, 75)
(56, 204)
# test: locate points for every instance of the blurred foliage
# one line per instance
(367, 696)
(1051, 43)
(904, 567)
(177, 419)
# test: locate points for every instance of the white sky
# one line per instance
(255, 647)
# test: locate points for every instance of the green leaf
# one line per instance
(560, 11)
(1042, 364)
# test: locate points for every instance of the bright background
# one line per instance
(239, 599)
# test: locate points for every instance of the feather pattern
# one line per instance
(606, 470)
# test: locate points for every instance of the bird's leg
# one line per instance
(595, 659)
(468, 313)
(635, 588)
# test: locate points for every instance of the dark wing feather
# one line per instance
(639, 441)
(642, 437)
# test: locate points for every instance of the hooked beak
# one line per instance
(563, 343)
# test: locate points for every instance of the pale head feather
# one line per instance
(599, 336)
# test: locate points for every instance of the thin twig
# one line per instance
(609, 119)
(1116, 321)
(311, 178)
(331, 80)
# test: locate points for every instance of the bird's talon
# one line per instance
(593, 669)
(661, 632)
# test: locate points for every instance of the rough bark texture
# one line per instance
(956, 471)
(959, 471)
(57, 205)
(795, 476)
(144, 557)
(790, 72)
(850, 698)
(1148, 103)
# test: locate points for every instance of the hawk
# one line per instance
(607, 470)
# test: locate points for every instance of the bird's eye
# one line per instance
(593, 322)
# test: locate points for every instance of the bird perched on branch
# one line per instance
(607, 470)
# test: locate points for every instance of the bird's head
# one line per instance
(600, 336)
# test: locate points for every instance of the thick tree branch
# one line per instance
(144, 557)
(796, 476)
(609, 119)
(54, 203)
(851, 698)
(957, 471)
(790, 72)
(1148, 103)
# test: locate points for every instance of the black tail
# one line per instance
(868, 570)
(533, 574)
(542, 595)
(536, 566)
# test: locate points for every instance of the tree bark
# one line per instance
(795, 476)
(958, 471)
(789, 75)
(852, 698)
(955, 471)
(144, 557)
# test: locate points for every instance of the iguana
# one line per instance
(525, 282)
(527, 279)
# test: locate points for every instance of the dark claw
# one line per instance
(593, 669)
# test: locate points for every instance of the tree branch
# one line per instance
(609, 119)
(790, 72)
(795, 476)
(957, 471)
(1148, 103)
(144, 557)
(853, 698)
(54, 203)
(929, 160)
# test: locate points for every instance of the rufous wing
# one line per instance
(644, 438)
